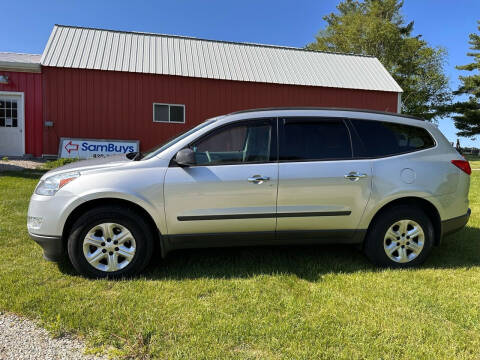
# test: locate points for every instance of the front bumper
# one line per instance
(452, 225)
(53, 247)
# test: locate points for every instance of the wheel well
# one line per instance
(429, 209)
(83, 208)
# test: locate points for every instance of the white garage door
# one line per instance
(11, 125)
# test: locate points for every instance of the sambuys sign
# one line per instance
(94, 148)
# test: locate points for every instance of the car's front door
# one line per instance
(231, 189)
(322, 190)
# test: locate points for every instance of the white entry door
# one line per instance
(11, 125)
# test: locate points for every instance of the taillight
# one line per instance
(463, 165)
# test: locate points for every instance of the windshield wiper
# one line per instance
(135, 156)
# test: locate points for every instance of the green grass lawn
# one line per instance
(252, 303)
(474, 161)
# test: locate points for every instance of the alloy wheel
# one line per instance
(109, 247)
(404, 241)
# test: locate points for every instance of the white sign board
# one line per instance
(94, 148)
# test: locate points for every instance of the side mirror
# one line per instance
(185, 157)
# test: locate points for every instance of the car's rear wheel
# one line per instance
(400, 237)
(110, 242)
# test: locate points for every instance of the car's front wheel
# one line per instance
(111, 242)
(400, 237)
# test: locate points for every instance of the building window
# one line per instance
(172, 113)
(8, 113)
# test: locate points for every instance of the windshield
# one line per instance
(162, 147)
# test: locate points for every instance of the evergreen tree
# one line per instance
(468, 119)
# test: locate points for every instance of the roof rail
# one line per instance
(328, 108)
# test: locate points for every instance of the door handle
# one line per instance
(258, 179)
(354, 176)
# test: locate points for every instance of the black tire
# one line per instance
(111, 214)
(374, 242)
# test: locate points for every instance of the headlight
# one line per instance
(52, 184)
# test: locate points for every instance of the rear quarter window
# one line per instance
(381, 138)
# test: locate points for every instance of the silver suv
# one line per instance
(263, 177)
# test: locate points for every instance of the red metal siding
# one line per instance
(118, 105)
(31, 85)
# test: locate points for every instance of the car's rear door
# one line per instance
(231, 190)
(323, 190)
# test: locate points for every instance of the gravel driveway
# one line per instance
(23, 339)
(18, 165)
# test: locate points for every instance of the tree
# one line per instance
(377, 28)
(468, 119)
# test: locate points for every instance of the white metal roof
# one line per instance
(98, 49)
(19, 62)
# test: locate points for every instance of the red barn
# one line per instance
(104, 84)
(21, 130)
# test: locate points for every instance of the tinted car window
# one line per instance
(314, 139)
(230, 139)
(239, 143)
(383, 138)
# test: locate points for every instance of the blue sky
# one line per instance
(26, 25)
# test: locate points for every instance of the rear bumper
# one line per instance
(53, 249)
(452, 225)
